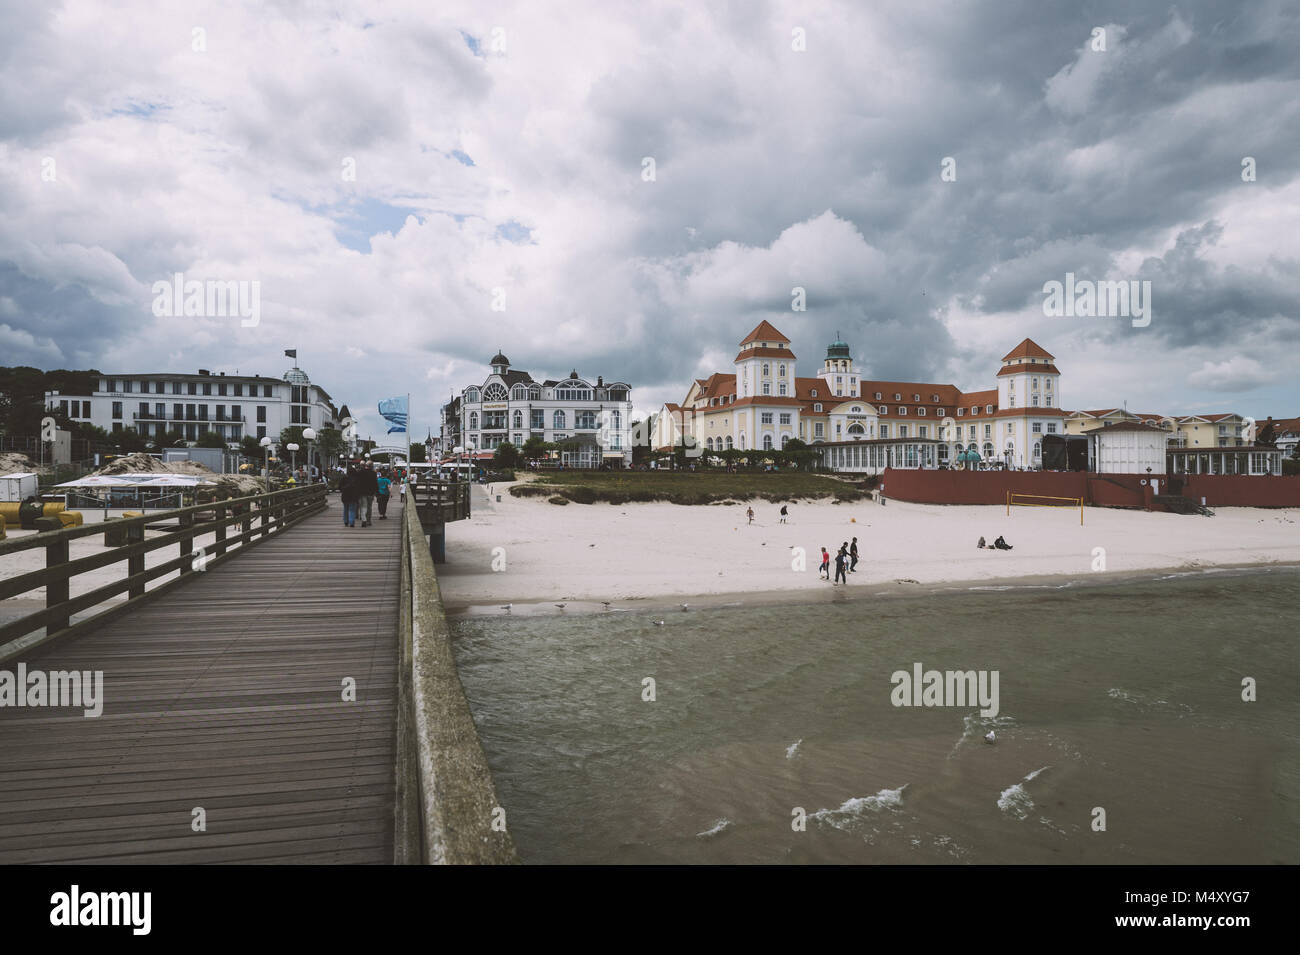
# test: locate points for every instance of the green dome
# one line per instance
(838, 349)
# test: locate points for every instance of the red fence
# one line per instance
(1104, 490)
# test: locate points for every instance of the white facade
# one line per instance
(1125, 449)
(231, 405)
(509, 406)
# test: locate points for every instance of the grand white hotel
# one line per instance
(864, 424)
(592, 417)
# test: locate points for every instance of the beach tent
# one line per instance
(99, 480)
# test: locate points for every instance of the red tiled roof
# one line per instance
(755, 352)
(1027, 349)
(1027, 369)
(764, 332)
(1028, 413)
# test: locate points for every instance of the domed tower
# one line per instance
(837, 370)
(500, 364)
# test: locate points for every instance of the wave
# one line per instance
(1015, 800)
(718, 827)
(792, 749)
(860, 805)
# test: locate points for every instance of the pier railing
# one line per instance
(446, 810)
(254, 518)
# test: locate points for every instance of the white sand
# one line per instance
(645, 551)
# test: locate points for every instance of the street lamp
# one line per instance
(458, 451)
(309, 435)
(293, 456)
(266, 467)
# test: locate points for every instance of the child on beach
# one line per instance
(750, 513)
(825, 571)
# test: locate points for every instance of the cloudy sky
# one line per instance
(390, 172)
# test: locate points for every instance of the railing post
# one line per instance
(187, 543)
(56, 591)
(220, 546)
(264, 509)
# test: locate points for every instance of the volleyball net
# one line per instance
(1015, 499)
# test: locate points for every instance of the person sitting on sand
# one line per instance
(1001, 544)
(981, 545)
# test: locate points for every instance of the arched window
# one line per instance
(728, 442)
(519, 419)
(534, 393)
(473, 420)
(742, 441)
(557, 421)
(495, 392)
(785, 439)
(472, 396)
(1038, 449)
(817, 407)
(518, 393)
(767, 442)
(709, 444)
(780, 370)
(988, 449)
(616, 420)
(856, 428)
(767, 370)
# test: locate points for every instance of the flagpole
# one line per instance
(408, 430)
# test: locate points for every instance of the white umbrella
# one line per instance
(175, 480)
(97, 480)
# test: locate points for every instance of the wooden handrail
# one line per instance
(273, 511)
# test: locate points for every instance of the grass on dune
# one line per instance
(683, 487)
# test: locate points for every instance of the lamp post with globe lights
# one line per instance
(293, 457)
(309, 435)
(266, 465)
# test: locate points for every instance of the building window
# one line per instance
(766, 417)
(988, 431)
(780, 371)
(1008, 427)
(922, 432)
(767, 442)
(817, 407)
(117, 409)
(767, 370)
(814, 392)
(538, 420)
(1038, 427)
(558, 421)
(473, 420)
(1013, 401)
(884, 430)
(785, 417)
(902, 409)
(261, 413)
(767, 387)
(920, 411)
(1051, 428)
(819, 429)
(585, 420)
(1035, 401)
(884, 409)
(961, 412)
(239, 390)
(988, 409)
(519, 419)
(902, 431)
(781, 388)
(1038, 449)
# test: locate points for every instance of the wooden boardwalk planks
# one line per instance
(226, 694)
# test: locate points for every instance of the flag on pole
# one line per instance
(394, 411)
(292, 353)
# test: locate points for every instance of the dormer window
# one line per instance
(884, 409)
(814, 392)
(897, 396)
(942, 412)
(920, 410)
(817, 407)
(988, 409)
(902, 409)
(916, 397)
(961, 412)
(877, 396)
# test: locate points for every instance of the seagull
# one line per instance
(506, 607)
(561, 606)
(659, 623)
(605, 604)
(989, 737)
(685, 606)
(591, 545)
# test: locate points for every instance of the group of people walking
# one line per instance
(359, 488)
(846, 562)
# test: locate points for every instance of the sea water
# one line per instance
(1126, 731)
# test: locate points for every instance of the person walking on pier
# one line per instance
(369, 488)
(384, 483)
(349, 491)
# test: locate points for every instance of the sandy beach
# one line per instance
(583, 555)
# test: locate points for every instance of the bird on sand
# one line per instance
(506, 607)
(685, 606)
(561, 606)
(659, 623)
(989, 737)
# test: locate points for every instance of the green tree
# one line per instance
(128, 441)
(210, 439)
(506, 456)
(250, 448)
(329, 444)
(534, 447)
